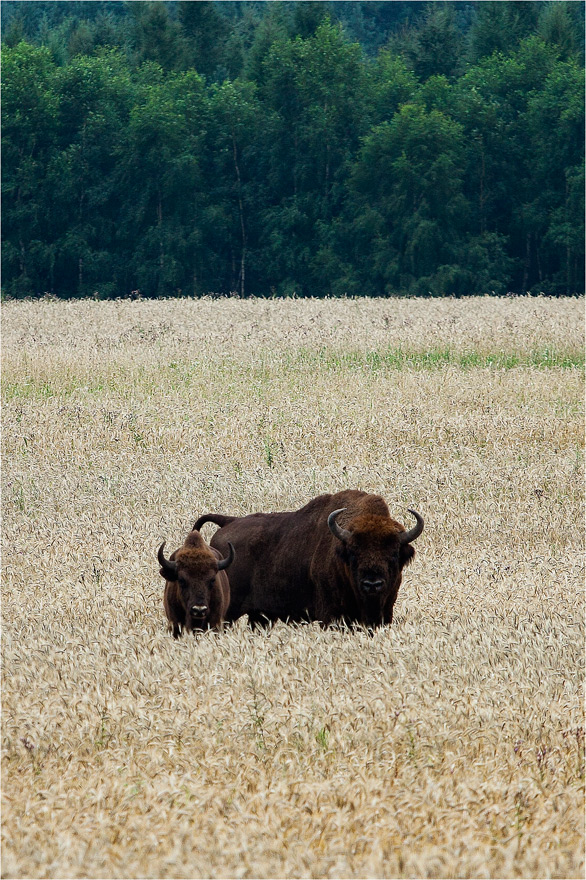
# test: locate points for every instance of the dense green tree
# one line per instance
(96, 95)
(206, 33)
(554, 208)
(308, 148)
(86, 37)
(437, 45)
(372, 24)
(314, 92)
(30, 110)
(561, 24)
(408, 210)
(156, 35)
(500, 26)
(308, 16)
(273, 28)
(160, 175)
(391, 84)
(236, 117)
(516, 166)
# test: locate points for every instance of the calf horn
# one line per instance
(169, 569)
(336, 530)
(224, 563)
(407, 537)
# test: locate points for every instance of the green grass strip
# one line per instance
(399, 359)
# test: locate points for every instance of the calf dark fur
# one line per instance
(197, 589)
(340, 557)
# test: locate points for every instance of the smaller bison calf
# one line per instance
(197, 589)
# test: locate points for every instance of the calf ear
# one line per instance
(406, 554)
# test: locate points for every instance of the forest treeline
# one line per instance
(296, 148)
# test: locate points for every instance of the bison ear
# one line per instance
(406, 554)
(343, 552)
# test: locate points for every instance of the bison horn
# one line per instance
(336, 530)
(168, 568)
(224, 563)
(407, 537)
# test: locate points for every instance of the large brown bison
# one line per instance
(197, 590)
(340, 557)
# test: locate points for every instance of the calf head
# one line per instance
(194, 569)
(375, 549)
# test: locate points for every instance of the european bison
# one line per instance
(197, 590)
(340, 557)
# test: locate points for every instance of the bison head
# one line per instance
(375, 549)
(194, 569)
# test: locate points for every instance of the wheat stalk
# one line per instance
(450, 744)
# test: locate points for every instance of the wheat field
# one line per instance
(450, 744)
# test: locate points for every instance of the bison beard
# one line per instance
(340, 557)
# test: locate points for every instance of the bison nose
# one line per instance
(372, 585)
(199, 610)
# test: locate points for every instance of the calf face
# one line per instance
(197, 590)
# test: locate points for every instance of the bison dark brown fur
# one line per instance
(340, 557)
(197, 589)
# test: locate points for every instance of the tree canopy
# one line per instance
(296, 148)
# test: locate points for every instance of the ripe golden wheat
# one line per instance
(450, 744)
